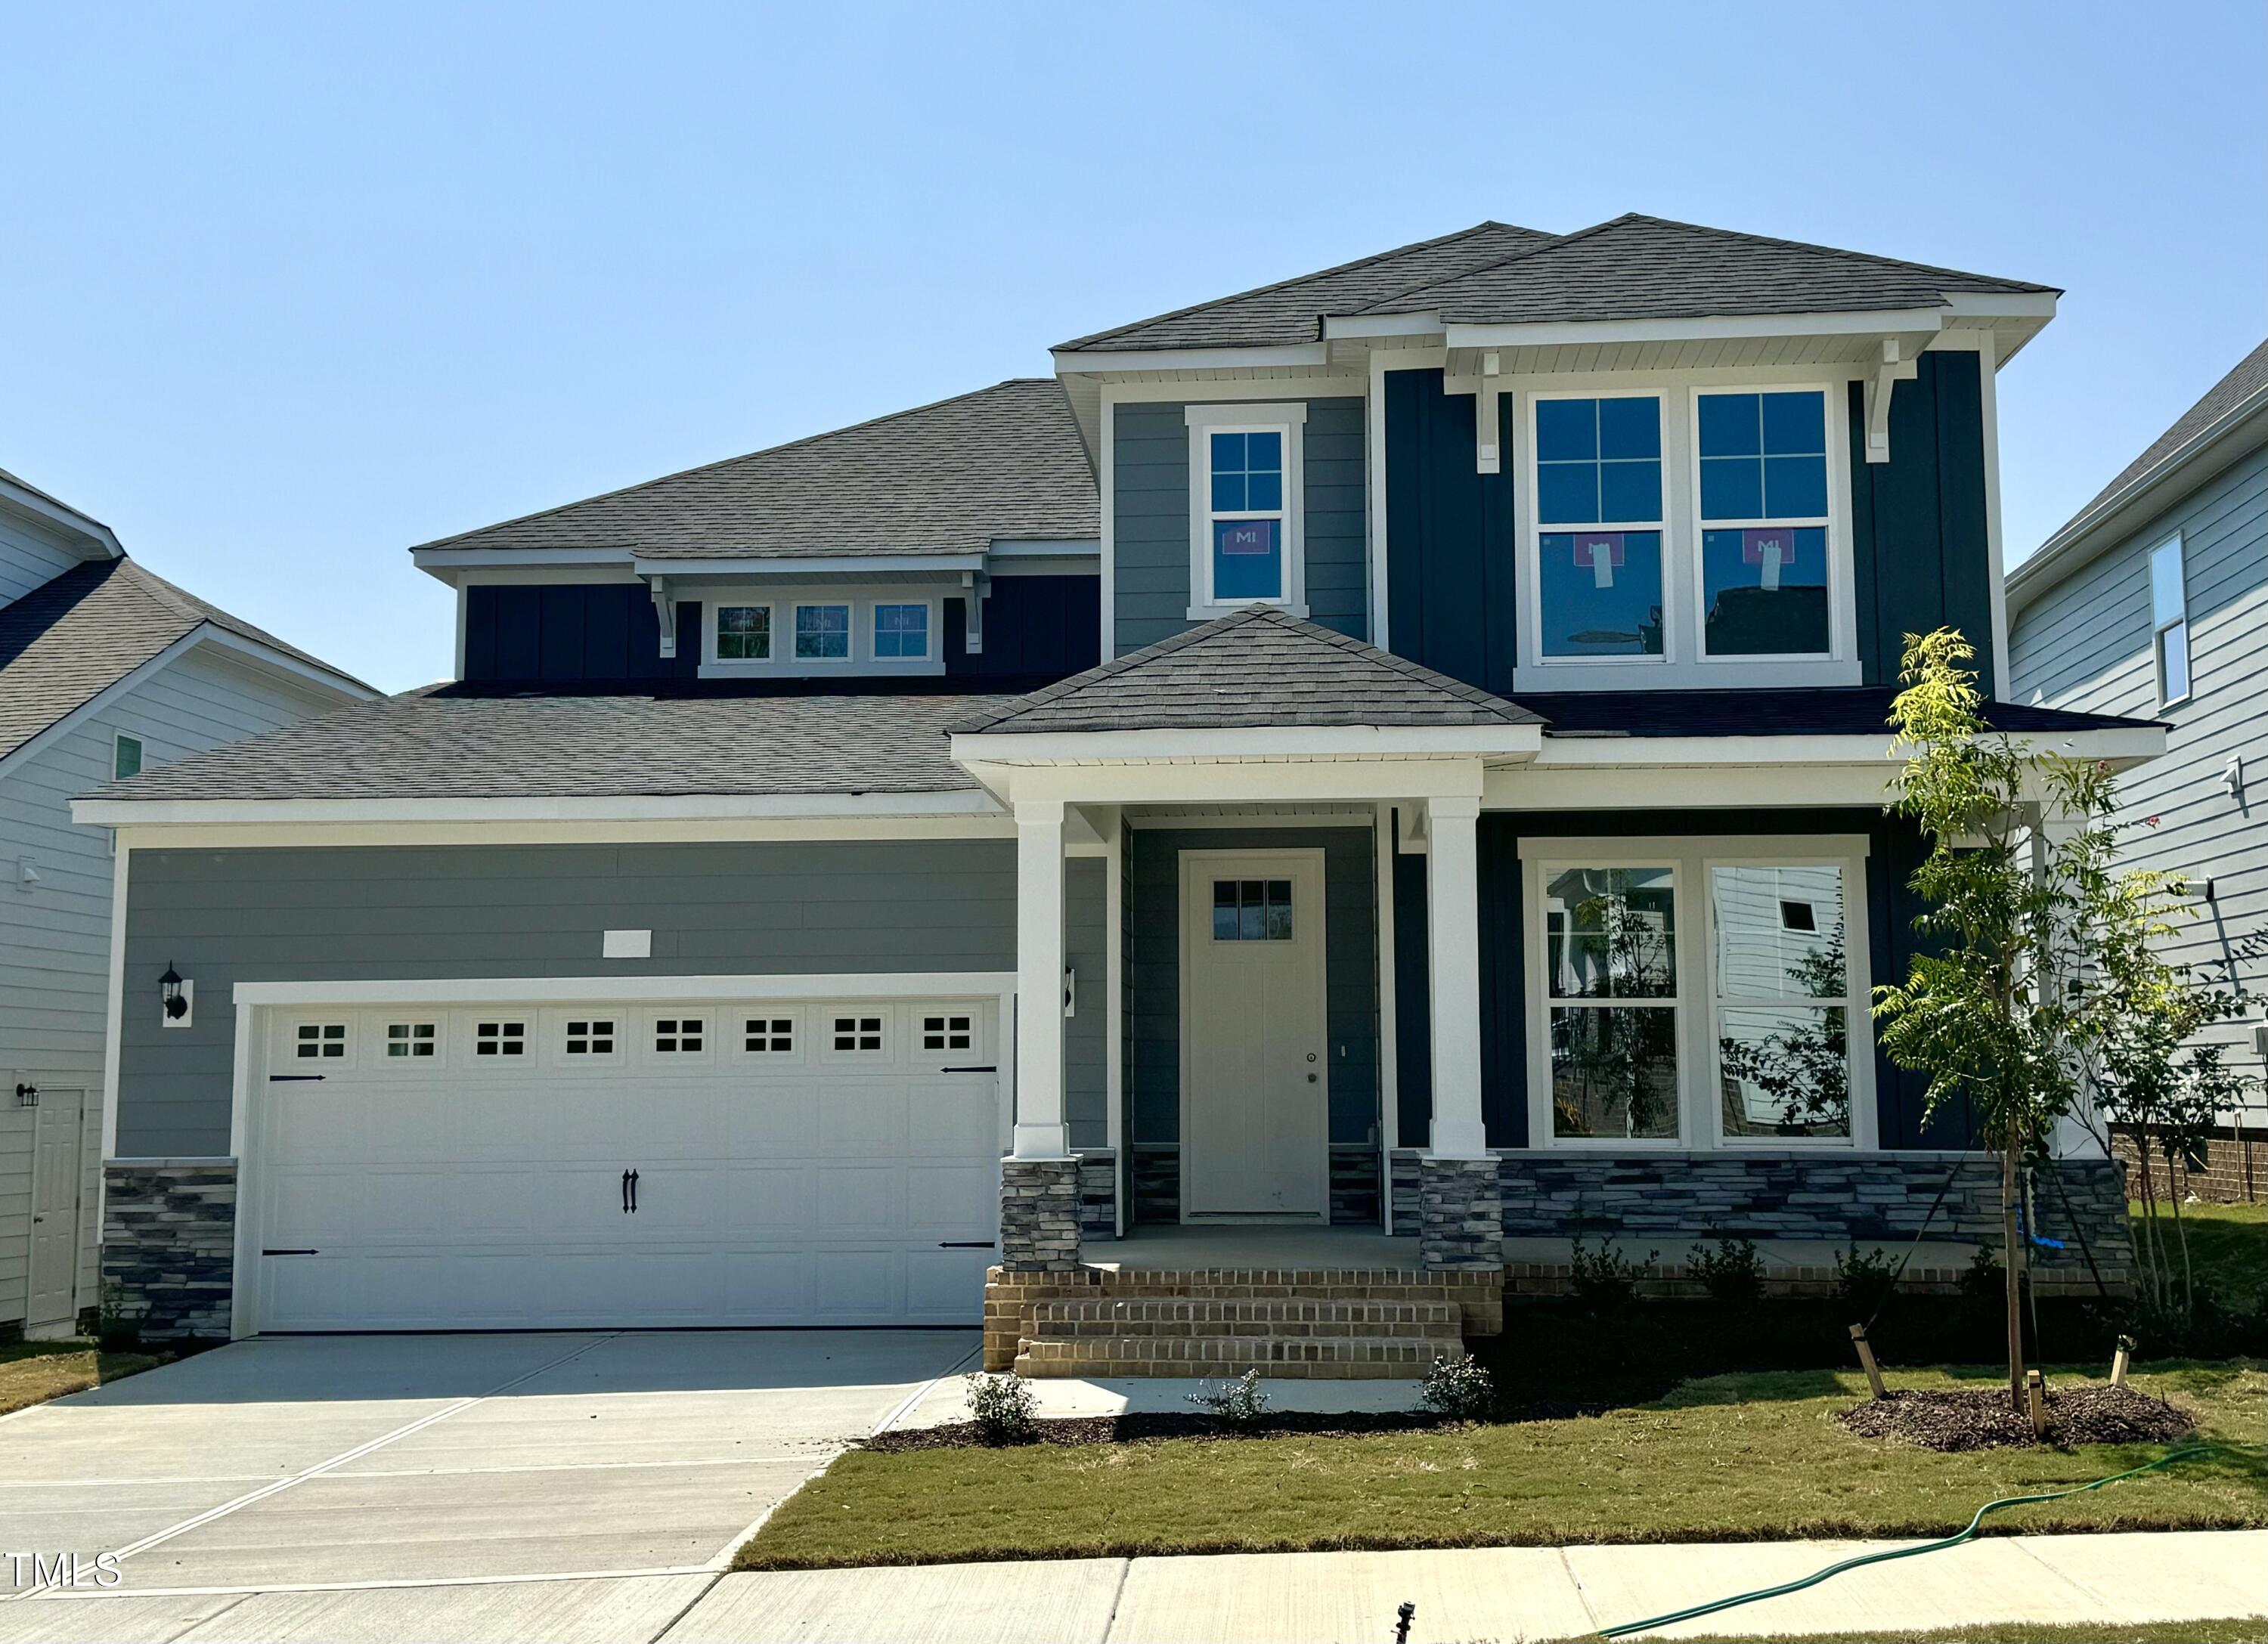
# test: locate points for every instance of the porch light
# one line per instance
(170, 991)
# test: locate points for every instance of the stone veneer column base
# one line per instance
(1039, 1216)
(1461, 1217)
(169, 1242)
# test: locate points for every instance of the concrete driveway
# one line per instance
(343, 1461)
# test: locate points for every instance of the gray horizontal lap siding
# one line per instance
(2087, 644)
(1150, 504)
(383, 913)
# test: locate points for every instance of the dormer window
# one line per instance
(822, 632)
(901, 632)
(744, 633)
(1244, 507)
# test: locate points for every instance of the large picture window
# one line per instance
(1763, 464)
(1598, 466)
(1697, 992)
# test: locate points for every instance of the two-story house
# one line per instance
(1371, 773)
(2153, 600)
(105, 670)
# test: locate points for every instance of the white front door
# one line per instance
(1255, 1092)
(515, 1166)
(53, 1297)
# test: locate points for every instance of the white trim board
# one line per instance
(632, 989)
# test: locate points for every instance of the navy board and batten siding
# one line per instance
(1921, 554)
(1150, 520)
(383, 913)
(1895, 849)
(1153, 1015)
(2087, 643)
(1035, 628)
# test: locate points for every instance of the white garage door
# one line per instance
(647, 1164)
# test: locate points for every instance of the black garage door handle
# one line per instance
(965, 1243)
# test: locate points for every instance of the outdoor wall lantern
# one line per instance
(177, 995)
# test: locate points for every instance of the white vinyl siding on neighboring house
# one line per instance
(54, 936)
(2090, 644)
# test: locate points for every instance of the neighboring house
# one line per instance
(2153, 600)
(1399, 750)
(105, 670)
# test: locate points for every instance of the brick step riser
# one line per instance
(1216, 1356)
(1444, 1335)
(1178, 1310)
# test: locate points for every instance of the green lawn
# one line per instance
(1727, 1458)
(32, 1372)
(2228, 1248)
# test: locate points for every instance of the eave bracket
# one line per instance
(1895, 367)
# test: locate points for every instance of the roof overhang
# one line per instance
(1111, 362)
(2108, 520)
(89, 537)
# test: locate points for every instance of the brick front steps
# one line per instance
(1347, 1323)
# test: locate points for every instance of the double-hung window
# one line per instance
(1764, 524)
(2169, 621)
(1245, 512)
(1598, 515)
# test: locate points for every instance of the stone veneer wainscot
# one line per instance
(169, 1244)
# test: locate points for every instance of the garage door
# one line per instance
(647, 1164)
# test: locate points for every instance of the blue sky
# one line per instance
(284, 290)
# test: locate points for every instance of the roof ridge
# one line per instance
(1485, 224)
(1111, 669)
(1841, 253)
(727, 462)
(1552, 243)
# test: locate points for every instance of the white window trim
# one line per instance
(1288, 419)
(1682, 663)
(2159, 630)
(382, 1040)
(785, 665)
(874, 629)
(1691, 859)
(712, 617)
(348, 1043)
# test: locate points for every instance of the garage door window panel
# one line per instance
(412, 1044)
(680, 1038)
(857, 1035)
(500, 1040)
(325, 1044)
(770, 1036)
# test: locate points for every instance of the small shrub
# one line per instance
(1241, 1404)
(1862, 1277)
(1734, 1273)
(1982, 1280)
(117, 1327)
(1460, 1389)
(1606, 1281)
(1003, 1407)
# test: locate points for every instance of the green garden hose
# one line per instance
(2170, 1458)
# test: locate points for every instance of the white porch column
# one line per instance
(1453, 942)
(1041, 1132)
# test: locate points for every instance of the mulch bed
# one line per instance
(1982, 1419)
(1154, 1425)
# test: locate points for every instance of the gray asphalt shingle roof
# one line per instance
(432, 745)
(2247, 378)
(1003, 463)
(1646, 268)
(1630, 267)
(1291, 311)
(75, 636)
(1258, 667)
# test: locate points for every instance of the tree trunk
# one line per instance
(2013, 1270)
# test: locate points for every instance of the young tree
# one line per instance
(2030, 922)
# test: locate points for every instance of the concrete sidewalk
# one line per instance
(1506, 1593)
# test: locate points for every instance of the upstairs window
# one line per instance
(901, 632)
(2169, 621)
(125, 757)
(1247, 515)
(1598, 468)
(744, 634)
(822, 632)
(1763, 459)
